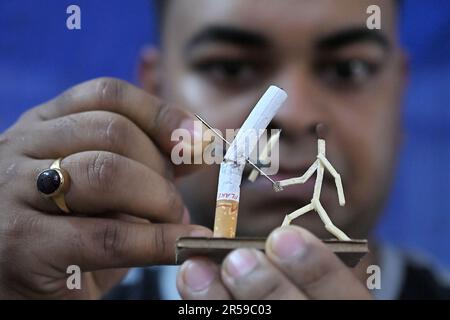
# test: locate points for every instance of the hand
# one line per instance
(125, 210)
(297, 265)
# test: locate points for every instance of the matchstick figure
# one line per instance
(319, 165)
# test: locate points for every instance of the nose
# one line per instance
(303, 109)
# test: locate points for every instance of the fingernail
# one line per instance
(186, 216)
(241, 262)
(286, 243)
(198, 275)
(201, 233)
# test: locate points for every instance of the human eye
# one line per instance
(229, 72)
(347, 72)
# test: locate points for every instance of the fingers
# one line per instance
(249, 275)
(297, 265)
(103, 182)
(97, 243)
(95, 130)
(153, 116)
(199, 279)
(246, 275)
(309, 264)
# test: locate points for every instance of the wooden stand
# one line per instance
(350, 252)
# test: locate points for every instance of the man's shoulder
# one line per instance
(409, 275)
(139, 284)
(423, 280)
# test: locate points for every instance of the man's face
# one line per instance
(220, 56)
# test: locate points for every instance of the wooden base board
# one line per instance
(350, 252)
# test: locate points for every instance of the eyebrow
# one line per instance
(352, 36)
(227, 35)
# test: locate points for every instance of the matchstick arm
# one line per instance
(336, 176)
(300, 180)
(265, 154)
(254, 174)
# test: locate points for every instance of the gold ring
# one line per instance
(54, 183)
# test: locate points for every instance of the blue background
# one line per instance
(39, 58)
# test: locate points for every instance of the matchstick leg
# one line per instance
(297, 213)
(331, 228)
(286, 221)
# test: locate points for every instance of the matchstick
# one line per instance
(318, 167)
(264, 155)
(299, 180)
(232, 167)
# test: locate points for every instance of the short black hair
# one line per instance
(161, 9)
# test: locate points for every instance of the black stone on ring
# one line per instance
(48, 181)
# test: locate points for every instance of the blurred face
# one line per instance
(220, 56)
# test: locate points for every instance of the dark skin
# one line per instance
(126, 210)
(115, 227)
(335, 71)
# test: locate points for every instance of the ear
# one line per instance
(149, 70)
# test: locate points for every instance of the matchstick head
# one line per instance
(321, 131)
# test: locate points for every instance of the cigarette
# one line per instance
(232, 167)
